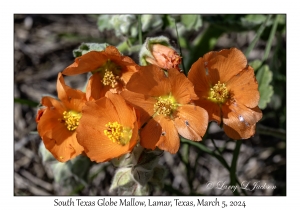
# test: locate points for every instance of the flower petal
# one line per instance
(241, 119)
(50, 120)
(52, 104)
(150, 134)
(102, 107)
(143, 104)
(213, 109)
(68, 149)
(182, 88)
(149, 80)
(71, 98)
(242, 133)
(99, 148)
(112, 51)
(228, 63)
(125, 112)
(61, 142)
(198, 75)
(191, 122)
(244, 87)
(95, 88)
(169, 139)
(86, 63)
(39, 114)
(127, 75)
(90, 132)
(165, 57)
(128, 66)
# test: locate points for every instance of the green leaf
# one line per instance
(254, 19)
(170, 20)
(264, 77)
(256, 64)
(26, 102)
(142, 175)
(124, 184)
(142, 171)
(124, 25)
(87, 47)
(258, 34)
(122, 161)
(71, 175)
(80, 166)
(45, 154)
(122, 179)
(235, 22)
(104, 22)
(282, 19)
(159, 173)
(151, 22)
(62, 173)
(191, 21)
(271, 37)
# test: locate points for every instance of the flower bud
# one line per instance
(159, 52)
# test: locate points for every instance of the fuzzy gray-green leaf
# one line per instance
(264, 77)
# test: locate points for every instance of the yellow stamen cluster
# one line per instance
(165, 105)
(71, 119)
(109, 79)
(117, 133)
(110, 73)
(218, 93)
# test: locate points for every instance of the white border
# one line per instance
(153, 6)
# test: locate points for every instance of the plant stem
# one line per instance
(271, 37)
(233, 165)
(279, 133)
(26, 102)
(140, 30)
(217, 156)
(185, 158)
(214, 143)
(178, 41)
(258, 34)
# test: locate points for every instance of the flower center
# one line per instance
(218, 93)
(109, 79)
(110, 73)
(117, 133)
(71, 119)
(165, 105)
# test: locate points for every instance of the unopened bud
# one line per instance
(159, 52)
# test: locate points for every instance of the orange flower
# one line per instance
(164, 57)
(164, 102)
(228, 90)
(57, 121)
(108, 128)
(111, 71)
